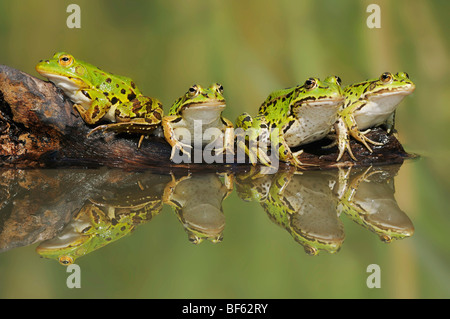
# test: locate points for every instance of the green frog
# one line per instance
(300, 115)
(204, 105)
(369, 104)
(99, 96)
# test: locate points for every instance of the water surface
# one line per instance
(141, 234)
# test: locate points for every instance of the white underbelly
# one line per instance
(313, 124)
(375, 113)
(197, 132)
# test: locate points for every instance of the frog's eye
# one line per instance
(219, 88)
(386, 77)
(403, 75)
(65, 60)
(310, 84)
(193, 90)
(339, 81)
(65, 260)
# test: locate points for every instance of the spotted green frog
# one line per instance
(301, 115)
(369, 104)
(99, 96)
(198, 105)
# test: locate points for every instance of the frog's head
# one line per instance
(64, 71)
(202, 221)
(64, 248)
(81, 236)
(317, 93)
(317, 233)
(392, 87)
(198, 102)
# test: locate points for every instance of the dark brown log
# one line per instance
(40, 128)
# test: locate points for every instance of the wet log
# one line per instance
(40, 128)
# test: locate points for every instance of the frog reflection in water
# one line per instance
(309, 205)
(197, 200)
(302, 204)
(368, 199)
(97, 224)
(100, 96)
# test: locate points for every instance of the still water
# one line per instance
(318, 234)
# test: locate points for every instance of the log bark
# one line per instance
(40, 128)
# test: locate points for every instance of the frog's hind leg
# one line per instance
(286, 154)
(135, 126)
(171, 138)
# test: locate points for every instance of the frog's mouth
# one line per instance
(391, 93)
(66, 83)
(322, 102)
(69, 237)
(208, 105)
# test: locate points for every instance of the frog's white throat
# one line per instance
(70, 87)
(378, 108)
(206, 112)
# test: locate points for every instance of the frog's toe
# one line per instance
(264, 158)
(296, 160)
(373, 142)
(252, 156)
(345, 147)
(364, 139)
(230, 150)
(181, 147)
(98, 128)
(219, 151)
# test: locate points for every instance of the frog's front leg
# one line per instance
(228, 183)
(343, 140)
(350, 121)
(170, 136)
(169, 189)
(98, 108)
(390, 123)
(228, 137)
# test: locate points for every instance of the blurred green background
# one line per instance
(253, 47)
